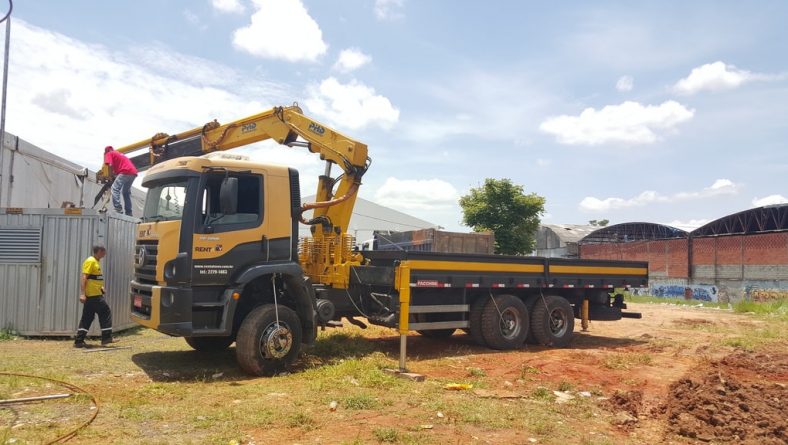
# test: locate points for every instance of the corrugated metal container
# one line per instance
(433, 240)
(41, 255)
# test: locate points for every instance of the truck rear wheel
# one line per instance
(552, 321)
(210, 344)
(263, 346)
(505, 322)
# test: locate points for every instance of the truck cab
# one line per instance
(217, 238)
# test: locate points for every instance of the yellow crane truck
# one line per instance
(217, 258)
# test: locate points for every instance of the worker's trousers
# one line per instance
(93, 306)
(122, 186)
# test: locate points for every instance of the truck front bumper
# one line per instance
(163, 308)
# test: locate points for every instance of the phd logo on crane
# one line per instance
(317, 129)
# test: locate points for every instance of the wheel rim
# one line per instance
(510, 323)
(558, 322)
(276, 341)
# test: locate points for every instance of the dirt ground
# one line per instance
(678, 375)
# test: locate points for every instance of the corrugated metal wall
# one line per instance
(42, 298)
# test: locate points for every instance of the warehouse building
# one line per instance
(560, 240)
(369, 217)
(739, 256)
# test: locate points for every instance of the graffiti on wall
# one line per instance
(756, 293)
(699, 292)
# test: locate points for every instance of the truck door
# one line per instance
(225, 242)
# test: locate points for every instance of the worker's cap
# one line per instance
(108, 149)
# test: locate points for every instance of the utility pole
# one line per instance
(5, 89)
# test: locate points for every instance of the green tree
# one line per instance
(599, 223)
(503, 208)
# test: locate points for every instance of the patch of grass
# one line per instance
(7, 334)
(740, 342)
(301, 420)
(360, 401)
(627, 361)
(757, 338)
(672, 300)
(386, 435)
(340, 345)
(563, 385)
(476, 372)
(541, 393)
(486, 413)
(540, 425)
(528, 370)
(778, 307)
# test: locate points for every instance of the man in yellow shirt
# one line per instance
(91, 295)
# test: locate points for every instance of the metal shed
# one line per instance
(41, 254)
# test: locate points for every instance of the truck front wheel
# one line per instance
(263, 346)
(552, 321)
(210, 344)
(505, 322)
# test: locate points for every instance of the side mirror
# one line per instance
(228, 196)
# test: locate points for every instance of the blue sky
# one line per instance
(670, 112)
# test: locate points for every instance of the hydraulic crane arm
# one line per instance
(283, 125)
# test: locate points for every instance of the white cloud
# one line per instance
(720, 187)
(87, 97)
(352, 105)
(389, 9)
(351, 59)
(543, 162)
(769, 200)
(421, 194)
(625, 83)
(716, 76)
(629, 122)
(281, 29)
(228, 6)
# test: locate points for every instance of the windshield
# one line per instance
(165, 201)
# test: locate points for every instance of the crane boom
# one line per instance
(283, 125)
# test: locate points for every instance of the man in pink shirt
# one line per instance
(124, 172)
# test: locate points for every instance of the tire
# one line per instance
(552, 321)
(210, 344)
(505, 322)
(530, 302)
(475, 321)
(258, 349)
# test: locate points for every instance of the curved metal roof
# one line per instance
(760, 219)
(635, 231)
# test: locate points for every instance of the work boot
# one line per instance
(80, 344)
(108, 341)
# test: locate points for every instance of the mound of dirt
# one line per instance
(741, 398)
(626, 407)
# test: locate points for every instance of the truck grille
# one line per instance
(145, 260)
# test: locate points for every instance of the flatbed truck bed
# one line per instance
(501, 301)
